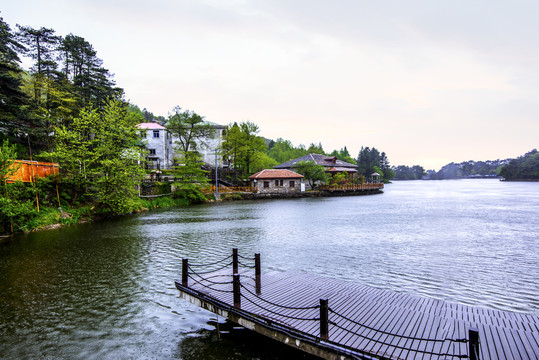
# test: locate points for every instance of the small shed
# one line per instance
(276, 181)
(28, 171)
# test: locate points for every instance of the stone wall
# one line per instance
(278, 186)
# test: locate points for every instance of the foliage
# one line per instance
(191, 179)
(162, 202)
(65, 76)
(12, 98)
(283, 151)
(340, 178)
(343, 155)
(188, 128)
(371, 160)
(8, 154)
(243, 148)
(467, 169)
(524, 167)
(313, 173)
(100, 149)
(403, 172)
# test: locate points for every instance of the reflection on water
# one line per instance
(105, 290)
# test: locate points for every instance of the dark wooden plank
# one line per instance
(390, 315)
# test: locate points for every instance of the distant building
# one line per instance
(277, 181)
(331, 164)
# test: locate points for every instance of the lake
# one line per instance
(106, 289)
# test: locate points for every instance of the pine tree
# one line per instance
(12, 98)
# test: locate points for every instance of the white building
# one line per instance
(158, 143)
(162, 146)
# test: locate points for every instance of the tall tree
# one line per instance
(189, 129)
(100, 148)
(243, 147)
(12, 98)
(41, 46)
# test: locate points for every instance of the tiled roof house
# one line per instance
(330, 163)
(277, 181)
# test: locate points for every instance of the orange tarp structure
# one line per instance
(29, 170)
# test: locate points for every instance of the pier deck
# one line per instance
(362, 322)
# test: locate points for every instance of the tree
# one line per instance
(316, 149)
(8, 154)
(190, 131)
(100, 152)
(313, 173)
(243, 147)
(371, 160)
(41, 46)
(191, 178)
(525, 167)
(12, 98)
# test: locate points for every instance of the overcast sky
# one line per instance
(428, 82)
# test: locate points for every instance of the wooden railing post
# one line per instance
(324, 319)
(236, 286)
(258, 273)
(185, 272)
(235, 261)
(473, 343)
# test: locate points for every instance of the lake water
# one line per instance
(106, 290)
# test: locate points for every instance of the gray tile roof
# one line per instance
(324, 160)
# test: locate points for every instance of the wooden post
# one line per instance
(324, 319)
(237, 292)
(235, 261)
(473, 343)
(185, 272)
(257, 274)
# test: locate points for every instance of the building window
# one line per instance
(152, 151)
(278, 182)
(266, 184)
(292, 184)
(156, 133)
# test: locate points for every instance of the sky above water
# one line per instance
(428, 82)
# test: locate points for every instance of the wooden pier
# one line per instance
(335, 319)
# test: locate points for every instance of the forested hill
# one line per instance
(468, 169)
(525, 167)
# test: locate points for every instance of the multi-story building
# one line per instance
(162, 145)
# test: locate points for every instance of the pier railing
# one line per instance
(388, 343)
(231, 189)
(352, 187)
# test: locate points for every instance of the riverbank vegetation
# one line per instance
(523, 168)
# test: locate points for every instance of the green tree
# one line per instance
(525, 167)
(100, 151)
(191, 178)
(313, 173)
(41, 45)
(243, 147)
(12, 98)
(11, 210)
(190, 131)
(283, 151)
(8, 154)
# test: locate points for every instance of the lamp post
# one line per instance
(216, 181)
